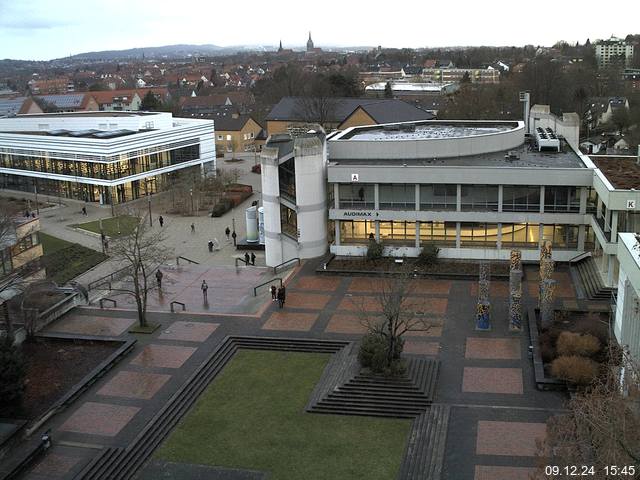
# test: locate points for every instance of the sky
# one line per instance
(47, 29)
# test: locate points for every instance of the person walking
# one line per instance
(84, 211)
(234, 236)
(161, 221)
(106, 245)
(227, 232)
(274, 293)
(253, 259)
(159, 276)
(204, 287)
(246, 258)
(210, 245)
(280, 297)
(284, 296)
(193, 229)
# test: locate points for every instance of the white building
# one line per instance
(613, 49)
(105, 157)
(627, 316)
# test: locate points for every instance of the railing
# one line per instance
(275, 269)
(241, 260)
(187, 259)
(579, 257)
(184, 307)
(102, 300)
(108, 278)
(255, 289)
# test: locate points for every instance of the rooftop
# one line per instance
(622, 172)
(88, 114)
(426, 130)
(91, 133)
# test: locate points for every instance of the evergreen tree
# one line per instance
(150, 102)
(12, 373)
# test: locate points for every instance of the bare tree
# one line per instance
(141, 252)
(601, 427)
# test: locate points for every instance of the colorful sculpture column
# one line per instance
(548, 287)
(515, 291)
(484, 306)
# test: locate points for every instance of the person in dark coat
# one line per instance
(161, 220)
(234, 236)
(274, 293)
(159, 276)
(246, 258)
(280, 297)
(210, 245)
(284, 295)
(253, 258)
(227, 232)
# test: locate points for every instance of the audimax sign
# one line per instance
(359, 214)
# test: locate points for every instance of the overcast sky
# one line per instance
(45, 29)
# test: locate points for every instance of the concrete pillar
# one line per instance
(583, 200)
(499, 236)
(599, 208)
(377, 227)
(582, 234)
(607, 221)
(542, 193)
(417, 198)
(458, 228)
(337, 232)
(500, 197)
(417, 234)
(458, 199)
(610, 270)
(614, 225)
(376, 197)
(336, 195)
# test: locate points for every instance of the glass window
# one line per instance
(357, 231)
(561, 199)
(357, 196)
(520, 234)
(438, 197)
(440, 233)
(562, 236)
(288, 221)
(287, 179)
(479, 198)
(397, 196)
(403, 233)
(478, 235)
(520, 198)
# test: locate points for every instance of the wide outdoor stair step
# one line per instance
(365, 411)
(107, 456)
(424, 455)
(592, 281)
(353, 397)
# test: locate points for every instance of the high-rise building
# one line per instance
(613, 50)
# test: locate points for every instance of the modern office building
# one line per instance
(105, 157)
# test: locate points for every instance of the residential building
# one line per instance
(631, 76)
(613, 50)
(236, 133)
(339, 113)
(11, 106)
(72, 102)
(410, 89)
(456, 75)
(117, 100)
(103, 157)
(51, 86)
(21, 251)
(601, 109)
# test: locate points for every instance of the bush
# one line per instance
(575, 369)
(373, 355)
(222, 207)
(584, 345)
(428, 255)
(12, 373)
(375, 250)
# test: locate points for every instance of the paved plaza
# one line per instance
(497, 416)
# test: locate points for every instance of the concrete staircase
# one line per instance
(591, 280)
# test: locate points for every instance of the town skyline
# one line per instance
(36, 31)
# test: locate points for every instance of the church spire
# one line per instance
(309, 43)
(280, 47)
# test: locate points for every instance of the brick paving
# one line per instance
(516, 439)
(188, 331)
(134, 385)
(493, 348)
(307, 300)
(293, 321)
(163, 356)
(55, 465)
(99, 326)
(350, 324)
(99, 419)
(360, 304)
(488, 472)
(327, 284)
(492, 380)
(496, 289)
(420, 347)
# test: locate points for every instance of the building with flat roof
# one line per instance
(612, 51)
(105, 157)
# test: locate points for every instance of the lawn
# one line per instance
(112, 227)
(252, 417)
(65, 260)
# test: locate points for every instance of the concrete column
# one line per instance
(607, 221)
(376, 197)
(542, 193)
(610, 268)
(417, 197)
(583, 200)
(614, 225)
(336, 195)
(377, 227)
(582, 234)
(499, 236)
(337, 232)
(599, 208)
(458, 200)
(417, 234)
(458, 228)
(500, 197)
(540, 235)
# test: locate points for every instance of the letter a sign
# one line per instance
(355, 177)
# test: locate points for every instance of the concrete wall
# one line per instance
(274, 252)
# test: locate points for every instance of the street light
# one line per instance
(191, 193)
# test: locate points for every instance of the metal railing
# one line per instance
(275, 269)
(175, 302)
(102, 300)
(255, 289)
(117, 275)
(187, 259)
(242, 260)
(579, 257)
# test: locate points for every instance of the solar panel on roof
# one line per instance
(112, 133)
(58, 132)
(82, 133)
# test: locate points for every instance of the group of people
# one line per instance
(279, 294)
(249, 259)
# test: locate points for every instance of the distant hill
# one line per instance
(167, 51)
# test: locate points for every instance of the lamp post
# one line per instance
(35, 187)
(148, 201)
(191, 194)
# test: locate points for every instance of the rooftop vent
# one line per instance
(546, 139)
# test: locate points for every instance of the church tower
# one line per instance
(280, 47)
(309, 44)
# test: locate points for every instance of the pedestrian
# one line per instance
(204, 287)
(161, 220)
(284, 295)
(227, 232)
(234, 236)
(273, 293)
(280, 297)
(246, 258)
(84, 211)
(159, 276)
(193, 228)
(106, 244)
(210, 244)
(253, 258)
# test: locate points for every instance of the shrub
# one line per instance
(547, 352)
(222, 207)
(428, 255)
(584, 345)
(374, 250)
(575, 369)
(12, 372)
(373, 355)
